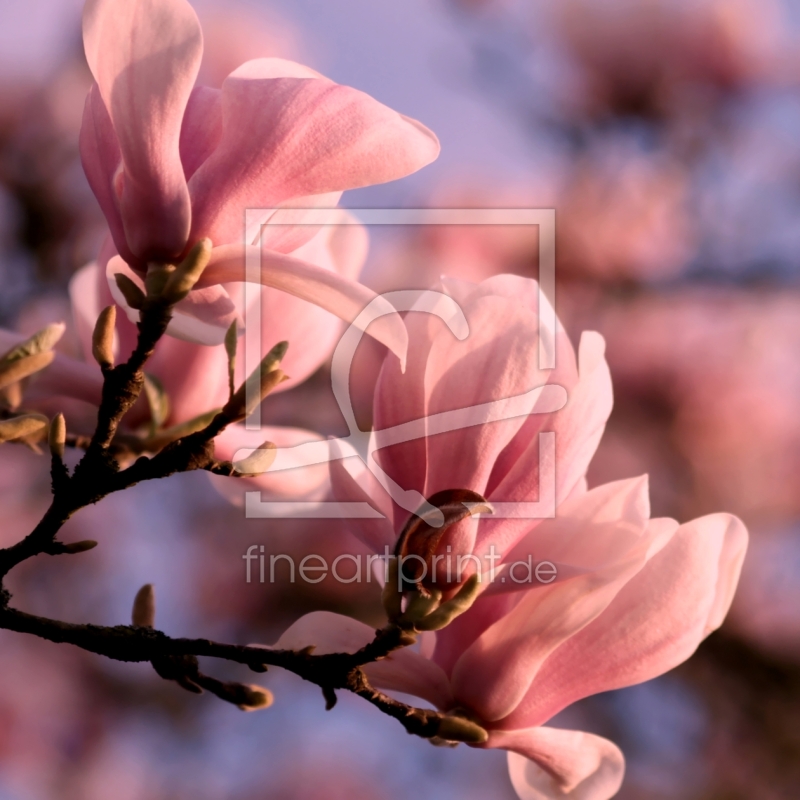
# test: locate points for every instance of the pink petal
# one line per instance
(578, 428)
(400, 398)
(325, 288)
(311, 331)
(555, 764)
(294, 222)
(145, 56)
(404, 671)
(496, 670)
(496, 362)
(101, 158)
(655, 622)
(352, 482)
(287, 137)
(201, 130)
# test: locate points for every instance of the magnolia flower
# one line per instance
(623, 598)
(637, 598)
(171, 163)
(500, 460)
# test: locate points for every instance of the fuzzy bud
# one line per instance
(260, 383)
(16, 370)
(255, 698)
(258, 462)
(21, 427)
(58, 436)
(103, 337)
(459, 729)
(79, 547)
(144, 607)
(182, 280)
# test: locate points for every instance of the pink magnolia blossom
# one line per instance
(501, 459)
(638, 598)
(631, 597)
(171, 162)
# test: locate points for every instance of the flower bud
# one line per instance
(103, 337)
(260, 383)
(182, 280)
(79, 547)
(133, 295)
(144, 607)
(58, 436)
(255, 697)
(21, 427)
(41, 342)
(15, 370)
(258, 462)
(459, 729)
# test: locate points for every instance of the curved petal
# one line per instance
(101, 158)
(403, 671)
(352, 482)
(287, 137)
(145, 56)
(496, 671)
(578, 428)
(655, 622)
(555, 764)
(201, 129)
(324, 288)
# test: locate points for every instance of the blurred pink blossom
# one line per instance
(652, 57)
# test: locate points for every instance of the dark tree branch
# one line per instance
(99, 474)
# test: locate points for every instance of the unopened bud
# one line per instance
(79, 547)
(21, 427)
(16, 370)
(182, 280)
(260, 383)
(144, 607)
(453, 608)
(58, 436)
(103, 337)
(41, 342)
(133, 295)
(459, 729)
(258, 462)
(255, 697)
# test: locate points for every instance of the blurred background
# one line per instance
(666, 134)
